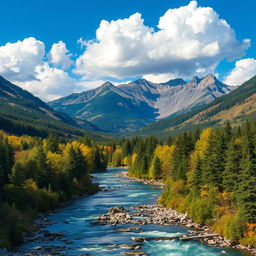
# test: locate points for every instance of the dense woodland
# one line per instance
(210, 174)
(37, 175)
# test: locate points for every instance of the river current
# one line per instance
(84, 238)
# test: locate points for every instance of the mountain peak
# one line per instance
(195, 79)
(210, 77)
(141, 81)
(107, 85)
(175, 82)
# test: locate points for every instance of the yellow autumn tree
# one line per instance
(199, 153)
(165, 155)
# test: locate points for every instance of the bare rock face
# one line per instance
(141, 102)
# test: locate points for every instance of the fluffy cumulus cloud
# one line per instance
(50, 83)
(243, 71)
(189, 40)
(60, 56)
(24, 63)
(18, 60)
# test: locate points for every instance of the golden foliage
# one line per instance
(165, 155)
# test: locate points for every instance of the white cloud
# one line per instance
(189, 40)
(60, 56)
(18, 60)
(160, 78)
(24, 63)
(50, 83)
(243, 71)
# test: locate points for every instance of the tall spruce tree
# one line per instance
(232, 170)
(44, 178)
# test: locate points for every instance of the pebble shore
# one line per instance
(137, 215)
(156, 214)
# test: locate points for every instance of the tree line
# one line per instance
(210, 174)
(37, 175)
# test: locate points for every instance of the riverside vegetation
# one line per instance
(209, 174)
(38, 175)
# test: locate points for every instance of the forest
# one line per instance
(38, 175)
(210, 174)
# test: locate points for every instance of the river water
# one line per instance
(81, 237)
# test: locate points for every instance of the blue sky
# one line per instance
(52, 21)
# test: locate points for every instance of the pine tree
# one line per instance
(17, 176)
(196, 179)
(77, 167)
(247, 191)
(155, 169)
(126, 148)
(214, 162)
(52, 143)
(6, 160)
(232, 168)
(44, 171)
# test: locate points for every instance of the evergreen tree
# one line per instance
(196, 179)
(232, 167)
(17, 176)
(44, 178)
(214, 162)
(6, 161)
(247, 191)
(155, 169)
(52, 143)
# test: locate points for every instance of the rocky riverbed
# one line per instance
(155, 214)
(144, 181)
(50, 239)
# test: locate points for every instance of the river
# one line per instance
(81, 237)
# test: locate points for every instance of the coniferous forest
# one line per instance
(210, 174)
(38, 175)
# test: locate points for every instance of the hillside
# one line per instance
(23, 113)
(234, 107)
(128, 107)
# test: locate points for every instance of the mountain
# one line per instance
(234, 107)
(23, 113)
(127, 107)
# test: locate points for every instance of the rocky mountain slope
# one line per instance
(235, 107)
(128, 107)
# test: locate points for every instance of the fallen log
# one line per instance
(187, 238)
(182, 238)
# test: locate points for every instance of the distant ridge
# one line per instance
(235, 107)
(128, 107)
(23, 113)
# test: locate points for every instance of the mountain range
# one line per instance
(139, 108)
(235, 107)
(128, 107)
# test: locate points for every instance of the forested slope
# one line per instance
(38, 175)
(22, 113)
(234, 107)
(210, 174)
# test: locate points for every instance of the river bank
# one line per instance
(144, 181)
(156, 214)
(38, 233)
(69, 230)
